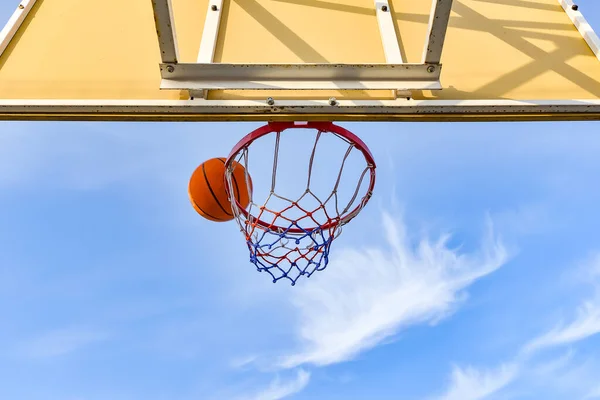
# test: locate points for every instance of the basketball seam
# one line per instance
(213, 193)
(207, 214)
(237, 189)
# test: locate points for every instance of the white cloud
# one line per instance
(553, 366)
(278, 389)
(587, 320)
(586, 324)
(60, 342)
(562, 377)
(473, 384)
(242, 362)
(368, 295)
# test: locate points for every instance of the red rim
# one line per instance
(272, 127)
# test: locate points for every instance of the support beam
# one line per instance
(211, 32)
(389, 39)
(293, 110)
(210, 35)
(14, 23)
(165, 29)
(590, 37)
(211, 76)
(436, 33)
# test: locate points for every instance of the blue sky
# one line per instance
(474, 273)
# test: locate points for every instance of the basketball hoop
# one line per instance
(292, 238)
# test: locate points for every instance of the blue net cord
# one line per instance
(286, 247)
(289, 255)
(294, 262)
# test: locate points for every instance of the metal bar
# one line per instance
(165, 29)
(300, 76)
(389, 39)
(291, 110)
(198, 85)
(584, 28)
(210, 35)
(438, 24)
(14, 23)
(211, 32)
(218, 71)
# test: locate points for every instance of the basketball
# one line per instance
(207, 190)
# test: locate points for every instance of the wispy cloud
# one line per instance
(279, 389)
(552, 366)
(471, 383)
(586, 324)
(60, 342)
(369, 294)
(242, 362)
(475, 384)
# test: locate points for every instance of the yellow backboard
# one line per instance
(286, 60)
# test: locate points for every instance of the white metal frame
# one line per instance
(436, 32)
(391, 45)
(165, 30)
(200, 109)
(208, 43)
(14, 23)
(584, 28)
(344, 110)
(300, 76)
(391, 48)
(210, 35)
(202, 76)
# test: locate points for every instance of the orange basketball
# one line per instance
(207, 189)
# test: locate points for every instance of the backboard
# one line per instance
(369, 60)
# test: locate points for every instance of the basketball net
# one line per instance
(290, 237)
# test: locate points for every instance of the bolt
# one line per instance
(214, 7)
(431, 69)
(384, 8)
(170, 68)
(332, 101)
(270, 101)
(574, 7)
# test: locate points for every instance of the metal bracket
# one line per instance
(209, 76)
